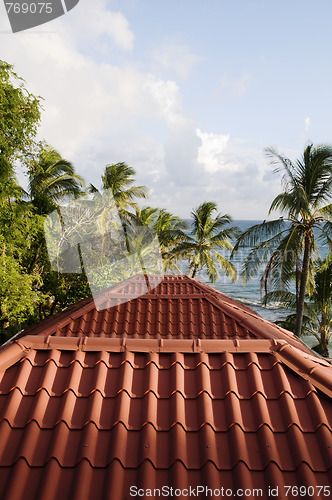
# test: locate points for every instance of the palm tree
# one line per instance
(321, 301)
(208, 236)
(169, 228)
(317, 318)
(288, 243)
(146, 216)
(119, 177)
(52, 179)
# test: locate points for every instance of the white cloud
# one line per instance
(167, 99)
(211, 152)
(91, 20)
(181, 148)
(100, 108)
(307, 123)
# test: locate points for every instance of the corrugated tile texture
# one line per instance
(85, 414)
(178, 307)
(100, 419)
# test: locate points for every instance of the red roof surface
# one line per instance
(181, 387)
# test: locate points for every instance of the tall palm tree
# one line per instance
(317, 318)
(288, 243)
(321, 305)
(202, 246)
(52, 179)
(119, 177)
(118, 180)
(170, 229)
(146, 216)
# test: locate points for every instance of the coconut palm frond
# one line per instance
(259, 232)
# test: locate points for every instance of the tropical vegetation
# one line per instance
(283, 250)
(317, 318)
(211, 234)
(289, 243)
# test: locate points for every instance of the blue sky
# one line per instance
(189, 93)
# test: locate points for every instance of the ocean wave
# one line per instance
(257, 303)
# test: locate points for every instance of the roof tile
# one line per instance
(179, 387)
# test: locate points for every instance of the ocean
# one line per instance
(249, 293)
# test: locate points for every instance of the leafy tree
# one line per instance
(203, 244)
(20, 113)
(117, 180)
(18, 298)
(19, 295)
(289, 242)
(19, 119)
(52, 180)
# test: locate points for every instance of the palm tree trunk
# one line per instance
(194, 271)
(303, 285)
(323, 340)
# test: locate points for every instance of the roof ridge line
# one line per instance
(306, 366)
(197, 345)
(11, 354)
(255, 323)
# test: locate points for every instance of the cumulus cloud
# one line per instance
(181, 148)
(167, 99)
(100, 108)
(307, 123)
(92, 20)
(211, 151)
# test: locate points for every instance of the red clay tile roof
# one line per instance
(202, 393)
(178, 307)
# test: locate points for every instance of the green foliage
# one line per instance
(170, 229)
(120, 179)
(203, 244)
(31, 290)
(288, 244)
(18, 295)
(317, 319)
(52, 180)
(19, 289)
(19, 116)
